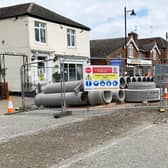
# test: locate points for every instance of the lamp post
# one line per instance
(132, 13)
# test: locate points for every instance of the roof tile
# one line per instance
(40, 12)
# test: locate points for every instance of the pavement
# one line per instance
(17, 102)
(27, 123)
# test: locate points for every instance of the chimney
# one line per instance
(133, 35)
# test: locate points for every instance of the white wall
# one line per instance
(14, 33)
(14, 39)
(17, 36)
(57, 39)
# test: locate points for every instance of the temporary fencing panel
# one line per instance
(66, 82)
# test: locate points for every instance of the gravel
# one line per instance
(49, 147)
(145, 149)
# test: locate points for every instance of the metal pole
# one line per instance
(125, 25)
(22, 86)
(64, 100)
(125, 40)
(62, 87)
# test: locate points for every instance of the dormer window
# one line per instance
(40, 32)
(130, 51)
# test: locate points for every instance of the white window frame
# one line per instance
(71, 38)
(76, 71)
(130, 51)
(154, 54)
(41, 28)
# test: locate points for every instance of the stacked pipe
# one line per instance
(125, 80)
(53, 94)
(142, 91)
(72, 93)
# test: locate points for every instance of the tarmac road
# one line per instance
(37, 140)
(145, 149)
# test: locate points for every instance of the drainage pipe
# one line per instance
(144, 79)
(148, 79)
(99, 97)
(127, 80)
(122, 82)
(139, 78)
(69, 87)
(133, 79)
(118, 96)
(54, 99)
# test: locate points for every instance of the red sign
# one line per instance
(102, 70)
(88, 70)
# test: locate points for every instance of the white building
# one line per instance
(41, 34)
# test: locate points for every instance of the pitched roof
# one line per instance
(103, 47)
(161, 43)
(34, 10)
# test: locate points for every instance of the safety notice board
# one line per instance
(101, 77)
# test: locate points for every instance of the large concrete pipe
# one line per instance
(144, 79)
(148, 79)
(122, 82)
(139, 78)
(99, 97)
(70, 86)
(118, 96)
(140, 95)
(74, 99)
(127, 79)
(151, 79)
(133, 79)
(55, 99)
(142, 85)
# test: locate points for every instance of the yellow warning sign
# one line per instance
(105, 76)
(41, 77)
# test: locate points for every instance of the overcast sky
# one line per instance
(106, 17)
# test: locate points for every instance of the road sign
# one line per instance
(101, 77)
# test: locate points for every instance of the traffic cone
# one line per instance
(10, 105)
(165, 93)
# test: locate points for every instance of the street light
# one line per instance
(132, 13)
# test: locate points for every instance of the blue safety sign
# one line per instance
(101, 77)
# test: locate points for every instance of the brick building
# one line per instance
(137, 58)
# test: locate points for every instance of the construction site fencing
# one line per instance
(61, 85)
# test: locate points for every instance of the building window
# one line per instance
(73, 72)
(70, 38)
(130, 51)
(41, 67)
(154, 54)
(40, 32)
(140, 55)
